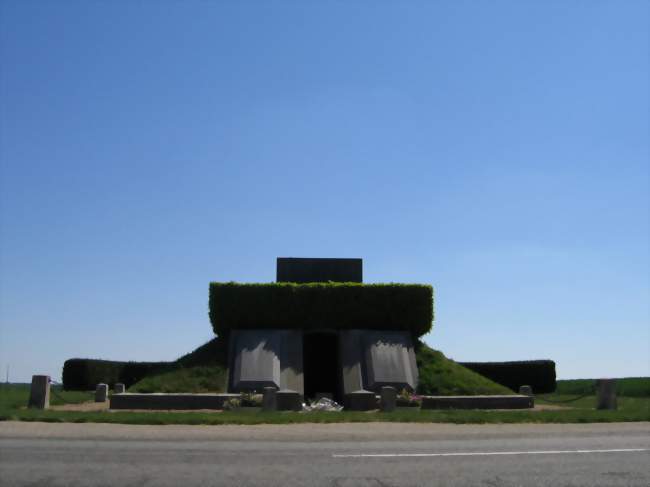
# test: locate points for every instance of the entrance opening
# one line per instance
(320, 357)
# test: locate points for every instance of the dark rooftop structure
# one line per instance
(301, 270)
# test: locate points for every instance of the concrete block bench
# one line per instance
(169, 401)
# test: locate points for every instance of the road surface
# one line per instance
(336, 455)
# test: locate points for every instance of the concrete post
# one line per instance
(101, 393)
(526, 390)
(269, 400)
(606, 394)
(39, 394)
(119, 388)
(388, 399)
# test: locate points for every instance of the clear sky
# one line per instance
(496, 150)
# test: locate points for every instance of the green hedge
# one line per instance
(83, 374)
(321, 305)
(539, 374)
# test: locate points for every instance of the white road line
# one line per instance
(483, 454)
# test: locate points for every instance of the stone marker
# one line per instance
(39, 394)
(388, 399)
(270, 400)
(606, 394)
(525, 390)
(119, 388)
(101, 393)
(288, 400)
(361, 400)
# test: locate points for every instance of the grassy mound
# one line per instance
(628, 386)
(191, 379)
(441, 376)
(203, 370)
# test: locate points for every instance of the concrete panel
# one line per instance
(477, 402)
(291, 367)
(256, 359)
(389, 360)
(351, 350)
(169, 401)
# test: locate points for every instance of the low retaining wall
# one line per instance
(478, 402)
(169, 401)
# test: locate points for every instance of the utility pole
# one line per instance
(7, 374)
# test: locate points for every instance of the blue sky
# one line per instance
(496, 150)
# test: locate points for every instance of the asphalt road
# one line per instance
(378, 454)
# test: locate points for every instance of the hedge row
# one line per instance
(84, 374)
(321, 305)
(539, 374)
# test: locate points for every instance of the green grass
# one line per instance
(203, 370)
(13, 399)
(190, 379)
(14, 396)
(444, 377)
(628, 386)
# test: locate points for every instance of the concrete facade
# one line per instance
(367, 360)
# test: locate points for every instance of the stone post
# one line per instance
(101, 393)
(606, 394)
(269, 400)
(119, 388)
(388, 399)
(526, 390)
(39, 394)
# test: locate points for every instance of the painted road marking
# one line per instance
(486, 453)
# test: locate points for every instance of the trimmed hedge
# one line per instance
(539, 374)
(321, 305)
(80, 374)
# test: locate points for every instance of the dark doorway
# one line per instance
(321, 364)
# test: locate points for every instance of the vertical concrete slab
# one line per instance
(388, 360)
(39, 393)
(351, 351)
(606, 394)
(269, 400)
(291, 365)
(388, 399)
(255, 363)
(101, 393)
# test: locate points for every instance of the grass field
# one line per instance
(628, 386)
(13, 398)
